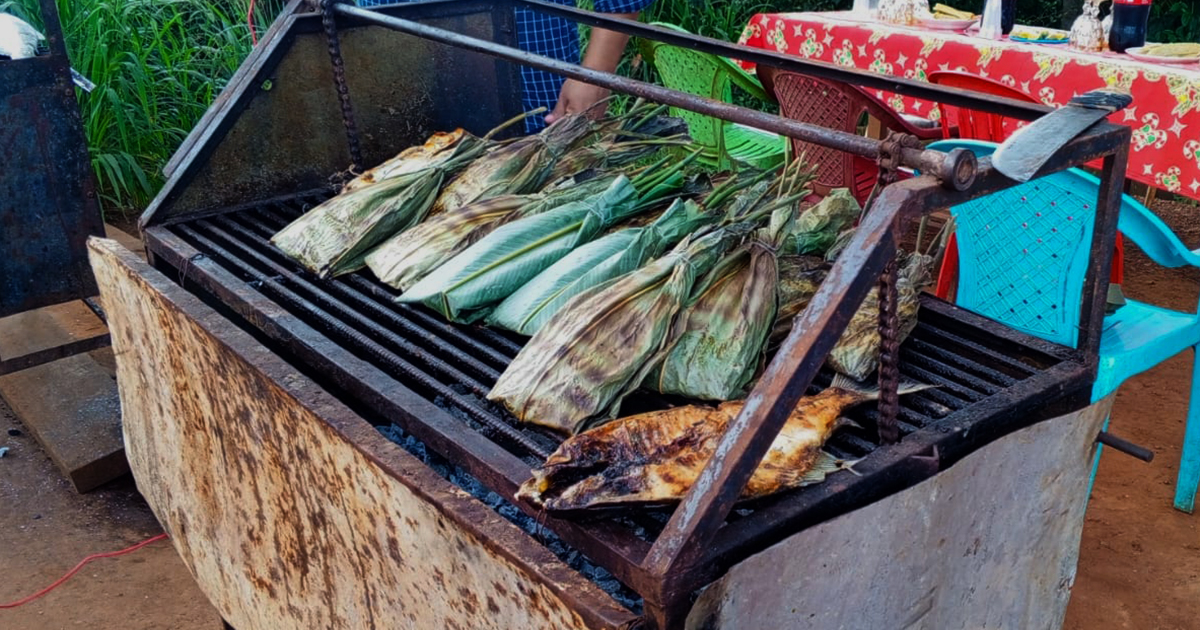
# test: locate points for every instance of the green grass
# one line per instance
(157, 65)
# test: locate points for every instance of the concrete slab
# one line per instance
(70, 406)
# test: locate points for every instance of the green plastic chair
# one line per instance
(708, 75)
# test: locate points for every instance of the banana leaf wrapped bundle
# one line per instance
(817, 228)
(334, 237)
(409, 160)
(857, 352)
(465, 287)
(799, 279)
(599, 346)
(630, 138)
(409, 256)
(521, 166)
(612, 255)
(654, 458)
(722, 333)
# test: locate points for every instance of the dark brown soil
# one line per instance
(1139, 565)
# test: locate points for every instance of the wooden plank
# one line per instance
(69, 404)
(292, 511)
(991, 542)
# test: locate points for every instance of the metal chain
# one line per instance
(889, 316)
(339, 80)
(889, 353)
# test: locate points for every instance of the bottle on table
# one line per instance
(1128, 29)
(1008, 15)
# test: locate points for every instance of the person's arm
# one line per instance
(603, 53)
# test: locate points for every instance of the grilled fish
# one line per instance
(655, 457)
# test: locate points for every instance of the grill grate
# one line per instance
(454, 366)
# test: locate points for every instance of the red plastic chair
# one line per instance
(838, 106)
(976, 125)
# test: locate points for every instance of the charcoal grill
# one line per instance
(222, 296)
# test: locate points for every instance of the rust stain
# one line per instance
(282, 521)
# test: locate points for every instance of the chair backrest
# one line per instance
(825, 103)
(702, 74)
(834, 105)
(1023, 252)
(974, 124)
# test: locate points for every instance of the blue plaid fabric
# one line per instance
(552, 37)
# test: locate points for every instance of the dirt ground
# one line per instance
(1139, 564)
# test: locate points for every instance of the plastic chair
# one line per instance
(837, 106)
(1024, 253)
(708, 75)
(978, 125)
(971, 123)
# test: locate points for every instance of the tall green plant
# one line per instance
(157, 66)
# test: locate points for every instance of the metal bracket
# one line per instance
(1125, 446)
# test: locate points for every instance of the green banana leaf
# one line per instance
(817, 228)
(531, 306)
(463, 288)
(409, 256)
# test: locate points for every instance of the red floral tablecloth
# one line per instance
(1165, 114)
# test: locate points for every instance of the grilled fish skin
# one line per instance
(655, 457)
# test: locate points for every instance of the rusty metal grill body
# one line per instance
(231, 189)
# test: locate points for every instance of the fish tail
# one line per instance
(869, 391)
(824, 466)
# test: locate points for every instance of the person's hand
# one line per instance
(577, 96)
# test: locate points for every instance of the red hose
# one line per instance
(95, 556)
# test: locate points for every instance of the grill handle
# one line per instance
(1129, 448)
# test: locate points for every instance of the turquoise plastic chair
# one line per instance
(708, 75)
(1023, 253)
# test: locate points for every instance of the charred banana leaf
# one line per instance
(599, 346)
(514, 168)
(857, 351)
(722, 334)
(334, 237)
(409, 160)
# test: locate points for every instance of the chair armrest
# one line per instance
(745, 80)
(1154, 237)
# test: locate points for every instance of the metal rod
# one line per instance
(955, 169)
(743, 445)
(898, 85)
(393, 321)
(42, 357)
(348, 314)
(1125, 446)
(508, 348)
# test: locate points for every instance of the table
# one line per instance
(1165, 114)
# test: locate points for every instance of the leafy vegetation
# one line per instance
(157, 65)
